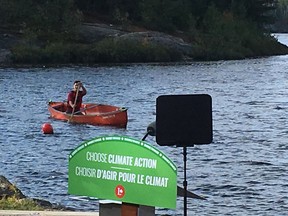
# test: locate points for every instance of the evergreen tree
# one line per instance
(260, 12)
(281, 17)
(41, 18)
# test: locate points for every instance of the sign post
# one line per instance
(123, 169)
(186, 123)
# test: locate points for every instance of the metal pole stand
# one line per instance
(185, 178)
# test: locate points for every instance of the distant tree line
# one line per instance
(60, 16)
(171, 15)
(46, 19)
(219, 29)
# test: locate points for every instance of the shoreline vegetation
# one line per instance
(78, 33)
(134, 47)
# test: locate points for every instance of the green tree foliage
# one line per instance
(46, 19)
(92, 6)
(260, 11)
(281, 16)
(116, 10)
(167, 15)
(172, 15)
(60, 16)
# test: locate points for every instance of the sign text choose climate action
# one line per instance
(121, 160)
(119, 175)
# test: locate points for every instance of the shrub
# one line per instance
(119, 51)
(19, 204)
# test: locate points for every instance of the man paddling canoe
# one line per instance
(74, 99)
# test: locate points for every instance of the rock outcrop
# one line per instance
(8, 190)
(93, 32)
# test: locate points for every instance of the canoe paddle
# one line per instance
(77, 91)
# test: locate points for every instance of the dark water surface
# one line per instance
(243, 172)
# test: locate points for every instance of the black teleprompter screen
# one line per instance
(184, 120)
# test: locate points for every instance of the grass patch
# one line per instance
(106, 51)
(13, 203)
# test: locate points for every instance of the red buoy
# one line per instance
(47, 128)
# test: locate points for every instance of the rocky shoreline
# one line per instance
(90, 33)
(93, 32)
(8, 190)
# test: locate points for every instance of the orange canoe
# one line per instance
(93, 114)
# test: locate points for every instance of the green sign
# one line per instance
(123, 169)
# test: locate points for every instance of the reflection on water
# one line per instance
(243, 172)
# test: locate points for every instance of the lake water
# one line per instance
(243, 172)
